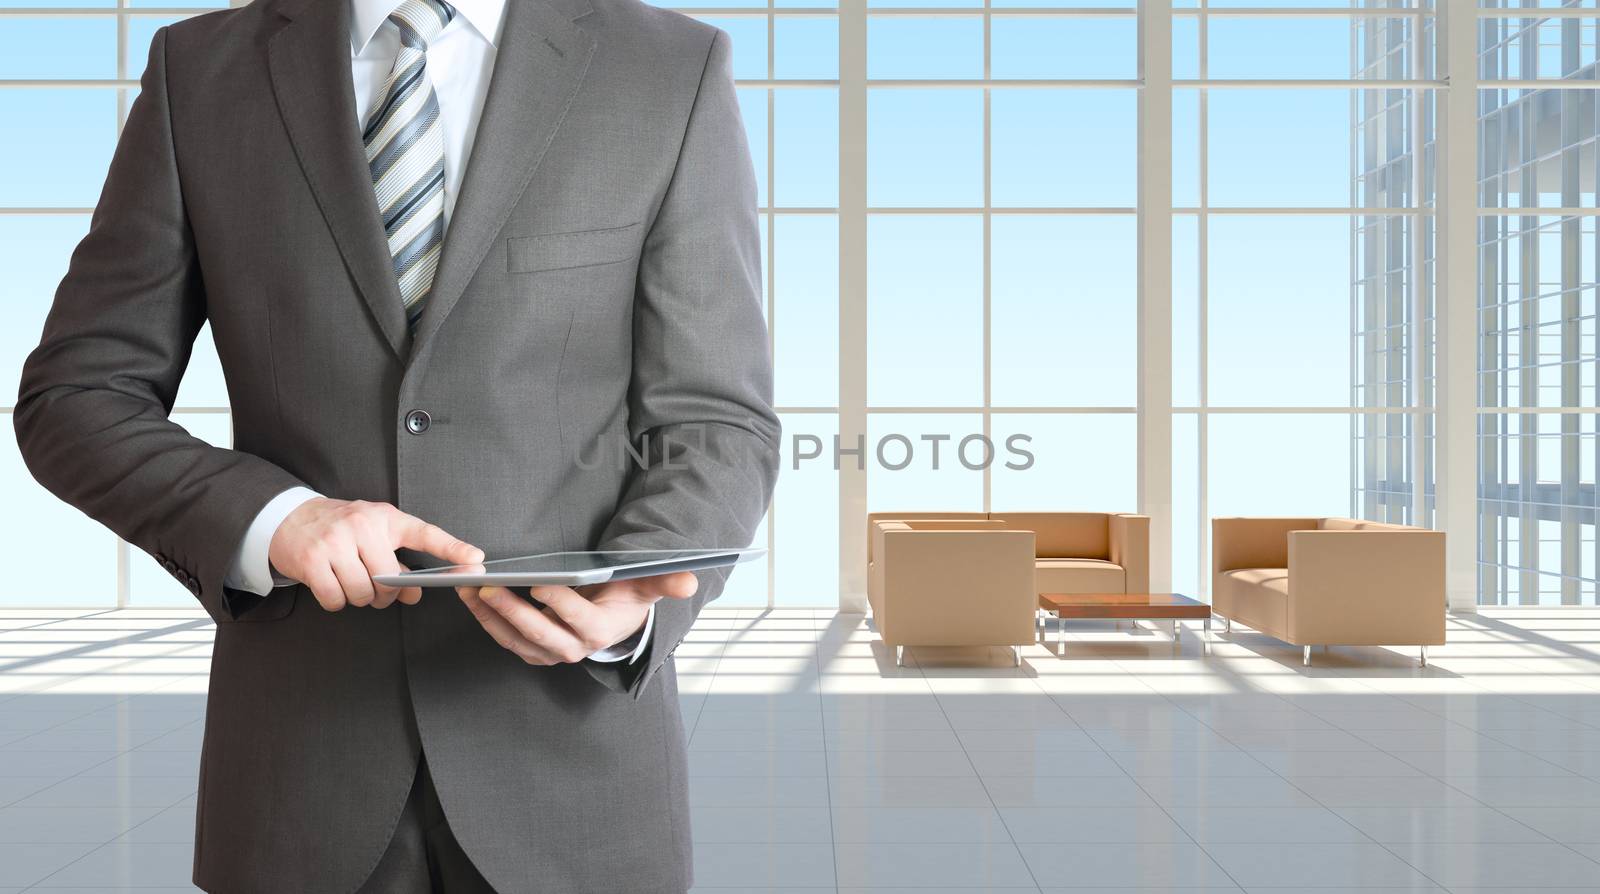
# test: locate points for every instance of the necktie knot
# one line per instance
(420, 21)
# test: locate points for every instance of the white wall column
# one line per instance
(1155, 284)
(1456, 433)
(853, 304)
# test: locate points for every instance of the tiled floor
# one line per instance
(818, 765)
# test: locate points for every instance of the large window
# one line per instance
(69, 69)
(991, 226)
(1537, 247)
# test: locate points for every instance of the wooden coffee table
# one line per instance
(1125, 606)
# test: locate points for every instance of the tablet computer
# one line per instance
(571, 569)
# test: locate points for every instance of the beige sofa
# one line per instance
(973, 578)
(1330, 581)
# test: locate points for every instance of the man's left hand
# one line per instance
(572, 625)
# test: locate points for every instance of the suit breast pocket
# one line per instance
(579, 248)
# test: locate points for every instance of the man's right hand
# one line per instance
(335, 547)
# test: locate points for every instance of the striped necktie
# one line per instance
(405, 150)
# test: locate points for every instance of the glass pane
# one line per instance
(1316, 47)
(806, 48)
(1537, 515)
(1089, 47)
(1538, 148)
(1385, 478)
(749, 36)
(924, 3)
(922, 463)
(58, 4)
(1304, 4)
(1062, 4)
(1278, 302)
(1186, 47)
(1279, 147)
(924, 148)
(142, 30)
(1383, 305)
(1534, 48)
(806, 310)
(1063, 462)
(1537, 315)
(747, 583)
(1188, 523)
(1048, 142)
(57, 48)
(203, 384)
(63, 138)
(1279, 464)
(53, 536)
(925, 311)
(34, 251)
(148, 583)
(806, 150)
(901, 47)
(1064, 340)
(1186, 148)
(1186, 310)
(806, 508)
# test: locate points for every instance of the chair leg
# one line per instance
(1306, 659)
(900, 656)
(1016, 656)
(1424, 656)
(1227, 626)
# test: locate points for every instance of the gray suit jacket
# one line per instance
(599, 286)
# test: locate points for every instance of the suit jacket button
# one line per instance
(417, 421)
(194, 586)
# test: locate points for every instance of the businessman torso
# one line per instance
(599, 281)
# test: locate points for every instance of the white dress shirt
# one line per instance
(460, 60)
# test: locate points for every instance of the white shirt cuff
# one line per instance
(630, 648)
(252, 565)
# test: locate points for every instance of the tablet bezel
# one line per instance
(666, 562)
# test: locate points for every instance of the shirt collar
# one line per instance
(367, 16)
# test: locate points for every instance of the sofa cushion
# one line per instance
(1078, 576)
(1273, 580)
(1256, 597)
(1359, 524)
(1063, 535)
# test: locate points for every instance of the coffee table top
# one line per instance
(1123, 605)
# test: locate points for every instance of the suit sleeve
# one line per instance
(701, 394)
(92, 410)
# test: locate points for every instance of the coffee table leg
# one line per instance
(1205, 646)
(1061, 635)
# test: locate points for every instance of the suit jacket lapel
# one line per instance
(538, 68)
(309, 59)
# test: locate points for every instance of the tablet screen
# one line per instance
(575, 562)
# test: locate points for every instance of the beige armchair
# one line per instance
(1330, 581)
(951, 583)
(1070, 552)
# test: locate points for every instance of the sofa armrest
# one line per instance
(875, 566)
(957, 587)
(1366, 587)
(1130, 548)
(1254, 542)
